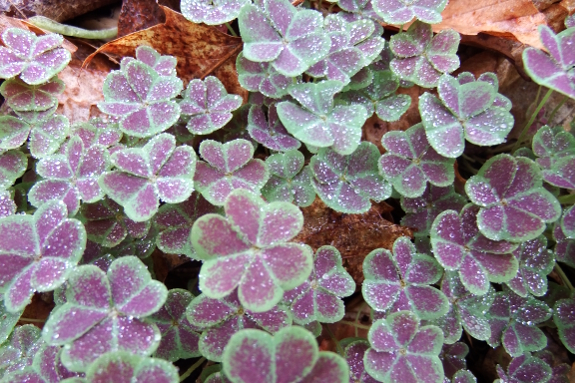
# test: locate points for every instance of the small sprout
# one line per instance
(319, 298)
(525, 369)
(107, 225)
(421, 211)
(563, 318)
(219, 319)
(142, 247)
(97, 131)
(35, 58)
(174, 223)
(347, 183)
(291, 39)
(13, 164)
(318, 122)
(459, 246)
(211, 12)
(466, 110)
(535, 262)
(27, 98)
(249, 249)
(41, 251)
(410, 162)
(514, 206)
(208, 105)
(453, 358)
(401, 281)
(514, 319)
(400, 12)
(379, 97)
(179, 336)
(142, 98)
(290, 355)
(270, 132)
(422, 58)
(290, 181)
(553, 70)
(157, 171)
(164, 65)
(402, 351)
(353, 354)
(104, 311)
(262, 77)
(70, 177)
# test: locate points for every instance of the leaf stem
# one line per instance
(531, 120)
(358, 325)
(337, 345)
(231, 30)
(563, 276)
(32, 320)
(192, 369)
(567, 199)
(554, 112)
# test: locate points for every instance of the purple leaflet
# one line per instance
(157, 171)
(564, 319)
(35, 58)
(164, 65)
(179, 336)
(553, 70)
(17, 353)
(70, 177)
(353, 354)
(38, 252)
(555, 148)
(13, 132)
(410, 162)
(107, 225)
(421, 211)
(513, 320)
(466, 110)
(290, 181)
(561, 371)
(422, 58)
(291, 355)
(126, 367)
(211, 12)
(208, 105)
(103, 312)
(228, 167)
(513, 204)
(22, 97)
(174, 223)
(47, 135)
(270, 132)
(13, 164)
(362, 8)
(453, 358)
(347, 183)
(97, 131)
(318, 122)
(250, 250)
(402, 11)
(401, 281)
(379, 97)
(525, 369)
(459, 246)
(219, 319)
(262, 77)
(142, 98)
(564, 247)
(535, 262)
(291, 39)
(7, 322)
(319, 298)
(402, 351)
(570, 21)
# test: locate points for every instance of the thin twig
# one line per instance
(337, 345)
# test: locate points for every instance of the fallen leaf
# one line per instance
(139, 14)
(201, 50)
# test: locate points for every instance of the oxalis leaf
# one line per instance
(219, 319)
(514, 206)
(453, 358)
(103, 312)
(459, 246)
(17, 353)
(262, 77)
(362, 8)
(97, 131)
(401, 281)
(421, 57)
(13, 164)
(290, 39)
(211, 12)
(318, 122)
(555, 149)
(290, 181)
(35, 58)
(563, 318)
(270, 132)
(353, 354)
(208, 105)
(248, 249)
(402, 11)
(290, 356)
(157, 171)
(524, 369)
(402, 351)
(22, 97)
(347, 183)
(466, 110)
(142, 98)
(319, 298)
(228, 167)
(553, 70)
(40, 252)
(410, 162)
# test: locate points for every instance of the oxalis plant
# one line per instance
(87, 209)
